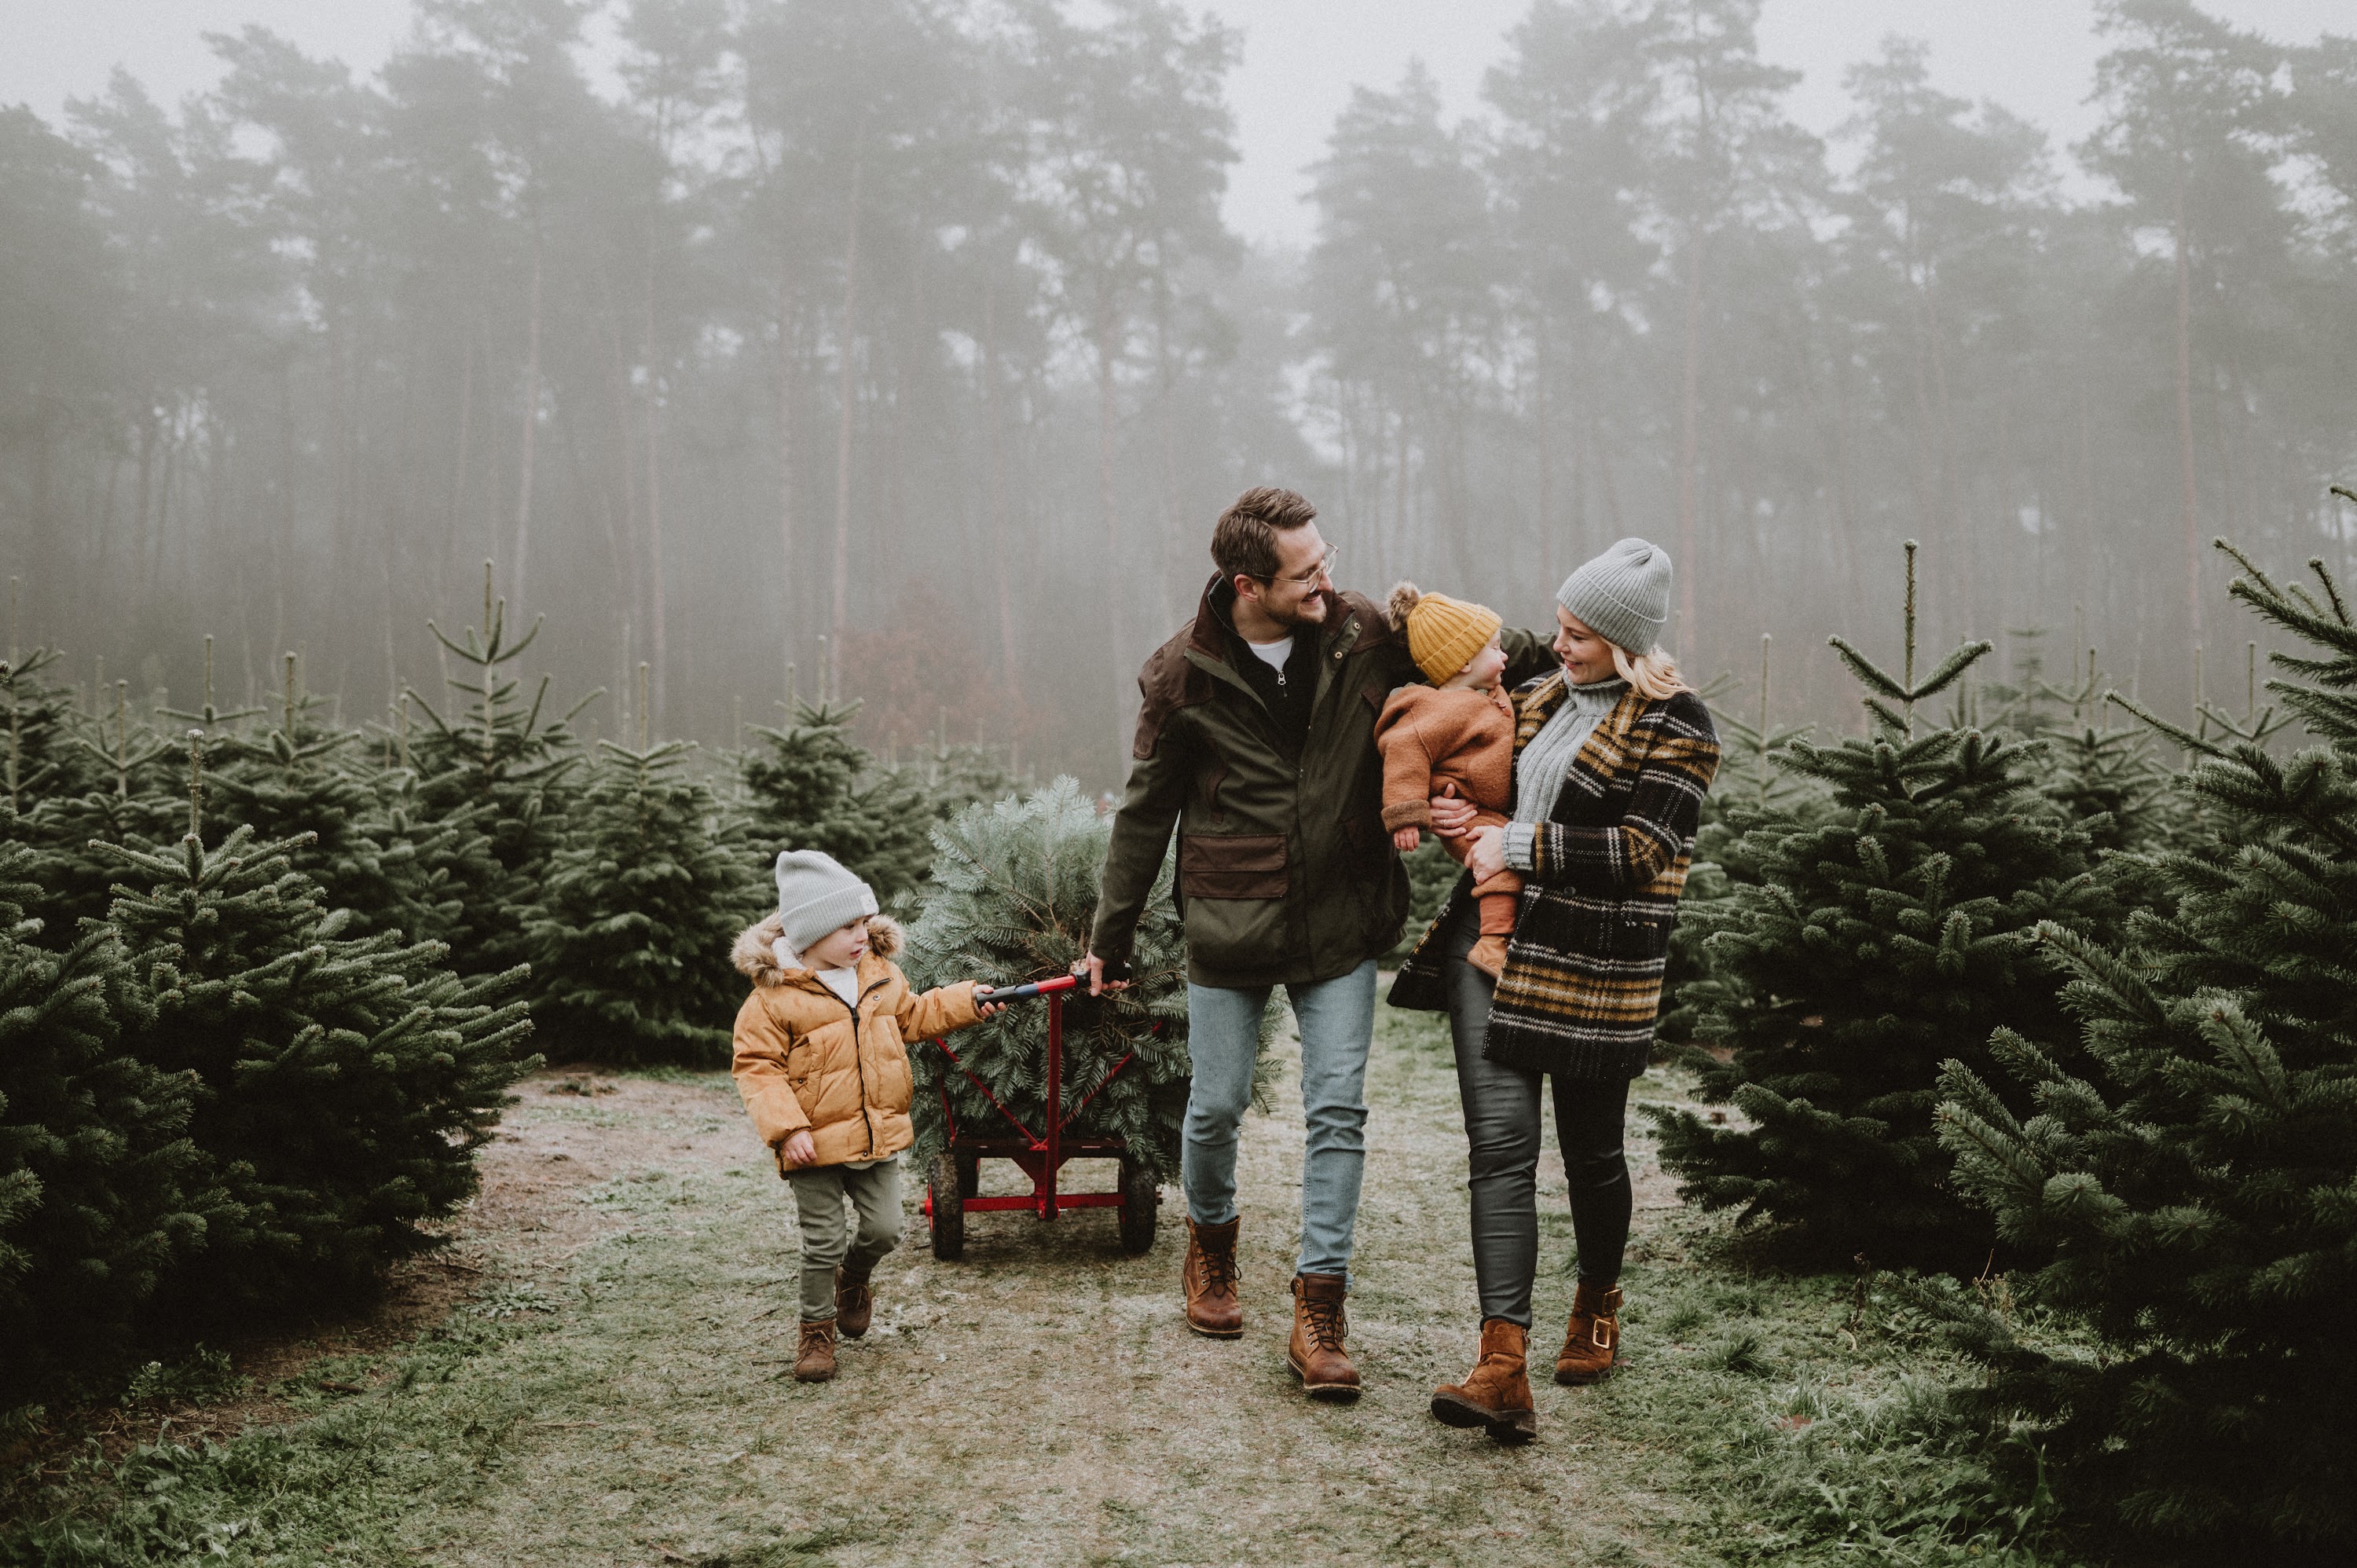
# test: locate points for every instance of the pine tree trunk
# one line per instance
(661, 662)
(530, 428)
(1009, 670)
(1107, 410)
(2185, 413)
(791, 579)
(1689, 458)
(839, 616)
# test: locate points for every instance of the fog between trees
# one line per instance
(901, 343)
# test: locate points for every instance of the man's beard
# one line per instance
(1309, 610)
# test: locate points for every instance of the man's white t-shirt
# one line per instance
(1272, 654)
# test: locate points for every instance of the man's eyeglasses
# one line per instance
(1316, 574)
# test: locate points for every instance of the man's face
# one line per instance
(1296, 595)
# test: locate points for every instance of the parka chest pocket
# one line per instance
(1233, 866)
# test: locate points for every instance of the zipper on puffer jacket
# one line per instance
(859, 1060)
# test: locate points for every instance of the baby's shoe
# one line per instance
(1489, 956)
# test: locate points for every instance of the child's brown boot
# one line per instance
(1497, 1392)
(1489, 956)
(854, 1303)
(815, 1359)
(1591, 1343)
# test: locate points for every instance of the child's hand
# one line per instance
(798, 1149)
(982, 1004)
(1405, 840)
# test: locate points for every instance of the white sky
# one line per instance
(1301, 59)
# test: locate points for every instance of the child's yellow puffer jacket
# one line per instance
(805, 1059)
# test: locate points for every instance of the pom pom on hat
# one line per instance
(1443, 634)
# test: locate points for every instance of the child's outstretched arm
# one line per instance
(1407, 772)
(924, 1015)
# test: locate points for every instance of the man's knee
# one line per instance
(1215, 1108)
(1337, 1126)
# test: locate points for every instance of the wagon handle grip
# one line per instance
(1025, 993)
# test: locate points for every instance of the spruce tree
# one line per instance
(1011, 899)
(96, 1173)
(811, 786)
(1888, 932)
(638, 910)
(2184, 1182)
(510, 762)
(341, 1084)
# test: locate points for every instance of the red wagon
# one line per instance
(954, 1184)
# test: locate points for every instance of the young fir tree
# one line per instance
(504, 759)
(638, 910)
(96, 1173)
(341, 1084)
(1888, 934)
(811, 786)
(2188, 1182)
(1012, 897)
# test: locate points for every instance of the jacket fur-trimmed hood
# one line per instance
(755, 953)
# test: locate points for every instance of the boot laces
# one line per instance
(1219, 1269)
(1324, 1319)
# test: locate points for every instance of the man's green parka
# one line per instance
(1286, 874)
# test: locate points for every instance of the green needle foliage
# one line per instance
(2190, 1183)
(341, 1084)
(811, 785)
(95, 1166)
(1889, 931)
(1013, 892)
(631, 950)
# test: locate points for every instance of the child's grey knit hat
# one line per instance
(816, 895)
(1623, 595)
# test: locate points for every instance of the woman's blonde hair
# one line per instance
(1654, 674)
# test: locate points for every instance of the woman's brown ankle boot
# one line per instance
(1593, 1341)
(1497, 1392)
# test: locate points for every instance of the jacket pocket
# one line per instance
(1237, 865)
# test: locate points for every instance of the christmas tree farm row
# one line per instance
(2068, 1038)
(265, 980)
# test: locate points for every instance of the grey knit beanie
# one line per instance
(1623, 595)
(816, 895)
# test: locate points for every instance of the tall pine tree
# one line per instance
(2187, 1181)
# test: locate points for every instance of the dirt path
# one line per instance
(1040, 1403)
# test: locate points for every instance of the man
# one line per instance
(1256, 741)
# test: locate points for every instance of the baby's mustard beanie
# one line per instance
(1443, 634)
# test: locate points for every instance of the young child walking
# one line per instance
(825, 1075)
(1458, 731)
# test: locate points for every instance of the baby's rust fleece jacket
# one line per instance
(1431, 736)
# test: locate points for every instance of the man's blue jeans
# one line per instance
(1338, 1024)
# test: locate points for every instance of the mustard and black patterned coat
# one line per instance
(1582, 986)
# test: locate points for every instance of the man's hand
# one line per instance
(1092, 968)
(1487, 858)
(1451, 817)
(798, 1149)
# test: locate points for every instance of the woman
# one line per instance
(1612, 755)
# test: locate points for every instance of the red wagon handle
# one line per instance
(1025, 993)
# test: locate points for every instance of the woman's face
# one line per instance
(1586, 657)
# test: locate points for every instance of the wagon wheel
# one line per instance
(1141, 1195)
(968, 1176)
(948, 1207)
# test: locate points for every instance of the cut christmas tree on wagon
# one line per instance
(1010, 902)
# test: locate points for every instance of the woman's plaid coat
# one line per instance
(1582, 986)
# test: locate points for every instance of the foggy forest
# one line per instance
(896, 350)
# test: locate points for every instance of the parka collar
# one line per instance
(1215, 618)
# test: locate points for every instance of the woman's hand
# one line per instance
(1451, 817)
(1405, 840)
(798, 1149)
(1487, 858)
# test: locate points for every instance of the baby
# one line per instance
(1460, 730)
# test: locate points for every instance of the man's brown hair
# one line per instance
(1243, 541)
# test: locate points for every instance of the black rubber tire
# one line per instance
(1141, 1197)
(969, 1172)
(949, 1208)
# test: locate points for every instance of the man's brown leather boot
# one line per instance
(1591, 1343)
(814, 1358)
(1209, 1280)
(1319, 1325)
(854, 1303)
(1497, 1392)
